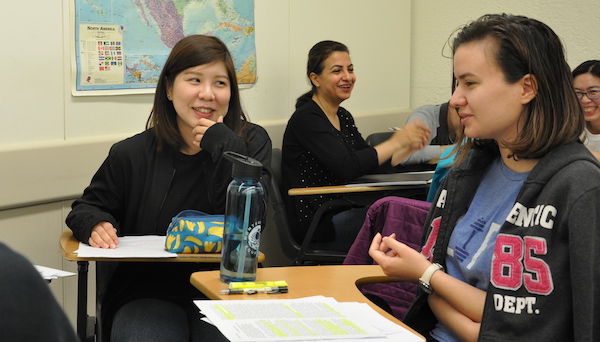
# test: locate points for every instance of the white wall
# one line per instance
(434, 21)
(47, 111)
(40, 113)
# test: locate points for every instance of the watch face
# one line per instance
(425, 287)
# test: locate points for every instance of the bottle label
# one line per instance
(254, 238)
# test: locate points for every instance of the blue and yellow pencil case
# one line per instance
(194, 232)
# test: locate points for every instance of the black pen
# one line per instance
(267, 290)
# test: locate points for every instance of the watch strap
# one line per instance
(425, 279)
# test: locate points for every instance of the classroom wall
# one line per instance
(40, 113)
(52, 142)
(47, 111)
(433, 23)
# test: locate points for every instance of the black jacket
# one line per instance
(129, 188)
(28, 309)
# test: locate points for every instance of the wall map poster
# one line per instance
(120, 46)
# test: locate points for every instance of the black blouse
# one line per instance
(315, 153)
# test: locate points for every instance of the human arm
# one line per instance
(200, 130)
(401, 262)
(428, 154)
(102, 200)
(403, 143)
(309, 135)
(255, 144)
(104, 235)
(219, 138)
(467, 330)
(430, 115)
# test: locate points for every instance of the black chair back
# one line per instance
(300, 254)
(289, 246)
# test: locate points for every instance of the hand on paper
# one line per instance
(104, 235)
(396, 259)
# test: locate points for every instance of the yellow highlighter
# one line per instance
(256, 284)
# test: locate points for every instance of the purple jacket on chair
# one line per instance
(405, 217)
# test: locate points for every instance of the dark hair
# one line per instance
(316, 62)
(527, 46)
(189, 52)
(588, 67)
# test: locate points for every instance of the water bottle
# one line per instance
(245, 211)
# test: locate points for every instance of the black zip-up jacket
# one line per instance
(129, 188)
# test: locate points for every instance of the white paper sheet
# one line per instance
(147, 246)
(305, 319)
(52, 273)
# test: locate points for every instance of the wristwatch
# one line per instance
(426, 277)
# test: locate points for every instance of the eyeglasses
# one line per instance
(591, 94)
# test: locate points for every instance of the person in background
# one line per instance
(443, 121)
(445, 162)
(510, 242)
(586, 79)
(440, 153)
(448, 152)
(28, 310)
(175, 164)
(322, 146)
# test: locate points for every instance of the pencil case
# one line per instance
(194, 232)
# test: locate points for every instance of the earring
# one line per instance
(169, 97)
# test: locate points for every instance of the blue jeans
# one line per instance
(150, 319)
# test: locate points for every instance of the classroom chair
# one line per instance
(405, 217)
(300, 254)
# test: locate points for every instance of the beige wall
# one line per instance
(52, 142)
(433, 22)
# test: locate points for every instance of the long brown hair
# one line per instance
(189, 52)
(528, 46)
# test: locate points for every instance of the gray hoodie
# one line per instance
(547, 287)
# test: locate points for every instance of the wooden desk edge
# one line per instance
(343, 189)
(69, 245)
(203, 288)
(382, 279)
(372, 274)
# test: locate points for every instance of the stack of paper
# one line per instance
(146, 246)
(305, 319)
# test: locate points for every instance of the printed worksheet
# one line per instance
(315, 318)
